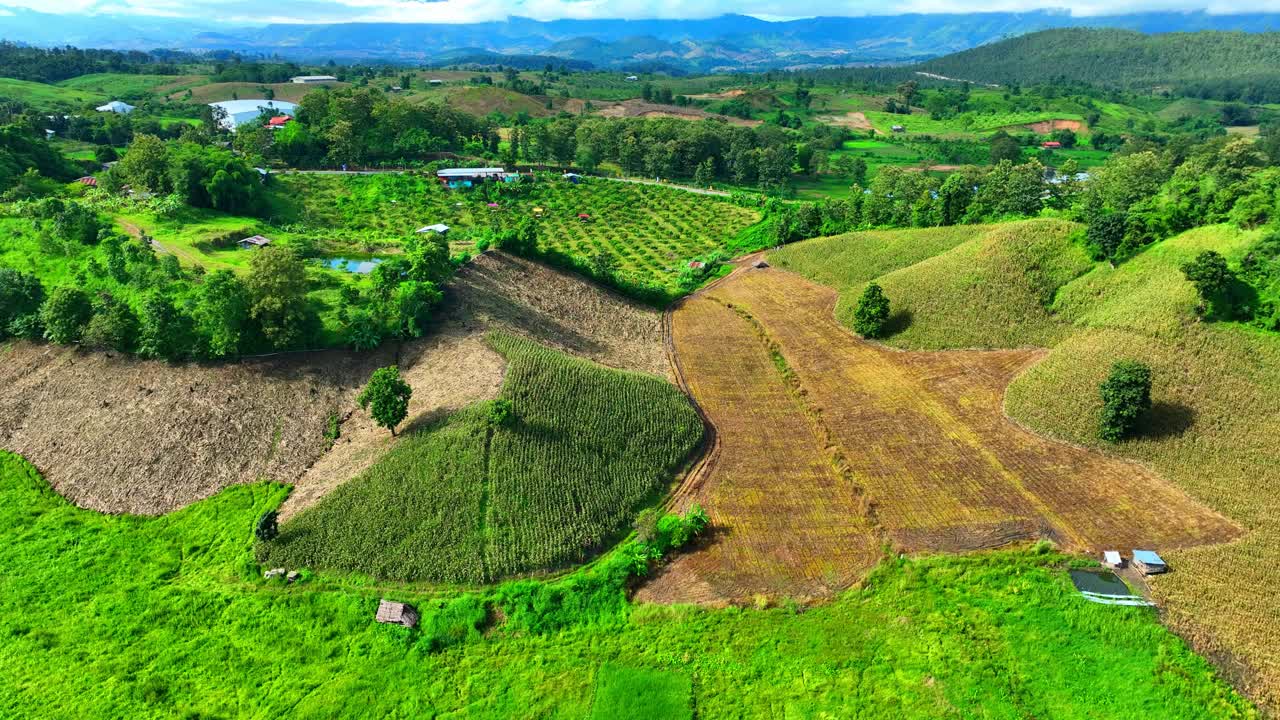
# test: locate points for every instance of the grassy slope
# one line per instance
(41, 95)
(129, 617)
(120, 84)
(467, 503)
(983, 286)
(1213, 429)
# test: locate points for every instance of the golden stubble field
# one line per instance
(830, 448)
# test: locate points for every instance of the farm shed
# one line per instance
(898, 128)
(89, 180)
(1111, 558)
(1148, 562)
(435, 81)
(279, 121)
(312, 79)
(574, 178)
(466, 177)
(256, 241)
(116, 106)
(1051, 144)
(397, 613)
(439, 228)
(696, 265)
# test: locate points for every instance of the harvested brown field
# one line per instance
(640, 108)
(1044, 127)
(853, 120)
(123, 435)
(834, 445)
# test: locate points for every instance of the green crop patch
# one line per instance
(641, 694)
(472, 500)
(124, 616)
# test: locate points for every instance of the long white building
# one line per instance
(233, 113)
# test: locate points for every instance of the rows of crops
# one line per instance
(591, 444)
(651, 232)
(472, 500)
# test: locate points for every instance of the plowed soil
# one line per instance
(829, 446)
(119, 434)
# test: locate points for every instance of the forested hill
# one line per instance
(1218, 65)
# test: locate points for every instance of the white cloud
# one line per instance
(459, 11)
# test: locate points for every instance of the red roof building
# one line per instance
(278, 121)
(1051, 144)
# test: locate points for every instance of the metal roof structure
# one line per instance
(437, 228)
(470, 172)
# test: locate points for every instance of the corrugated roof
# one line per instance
(469, 172)
(1147, 557)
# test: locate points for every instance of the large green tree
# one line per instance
(386, 397)
(872, 313)
(277, 289)
(65, 314)
(1126, 396)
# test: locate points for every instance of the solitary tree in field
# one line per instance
(386, 397)
(872, 313)
(1212, 278)
(1126, 395)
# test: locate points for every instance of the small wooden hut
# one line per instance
(397, 613)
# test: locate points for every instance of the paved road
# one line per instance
(637, 181)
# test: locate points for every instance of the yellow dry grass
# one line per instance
(917, 450)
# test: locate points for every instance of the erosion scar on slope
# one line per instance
(923, 434)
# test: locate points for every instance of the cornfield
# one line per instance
(470, 500)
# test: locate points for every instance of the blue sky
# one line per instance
(263, 11)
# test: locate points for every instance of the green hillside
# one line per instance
(1214, 423)
(471, 501)
(1119, 58)
(158, 617)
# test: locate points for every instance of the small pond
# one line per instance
(1100, 583)
(352, 265)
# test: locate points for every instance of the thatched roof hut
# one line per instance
(397, 613)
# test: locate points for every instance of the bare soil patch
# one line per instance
(1044, 127)
(118, 434)
(917, 451)
(854, 120)
(640, 108)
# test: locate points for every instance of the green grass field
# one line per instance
(121, 616)
(983, 286)
(118, 85)
(45, 96)
(469, 502)
(1214, 423)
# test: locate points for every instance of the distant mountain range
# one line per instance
(729, 42)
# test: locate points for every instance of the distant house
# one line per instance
(1148, 562)
(435, 81)
(574, 178)
(231, 114)
(49, 134)
(696, 265)
(632, 78)
(438, 228)
(1051, 145)
(397, 613)
(898, 129)
(256, 241)
(1112, 559)
(89, 180)
(396, 88)
(312, 79)
(279, 121)
(115, 106)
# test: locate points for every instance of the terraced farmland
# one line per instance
(920, 438)
(652, 232)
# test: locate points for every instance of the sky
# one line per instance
(457, 11)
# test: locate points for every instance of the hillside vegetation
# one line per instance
(169, 619)
(1123, 58)
(1212, 430)
(475, 499)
